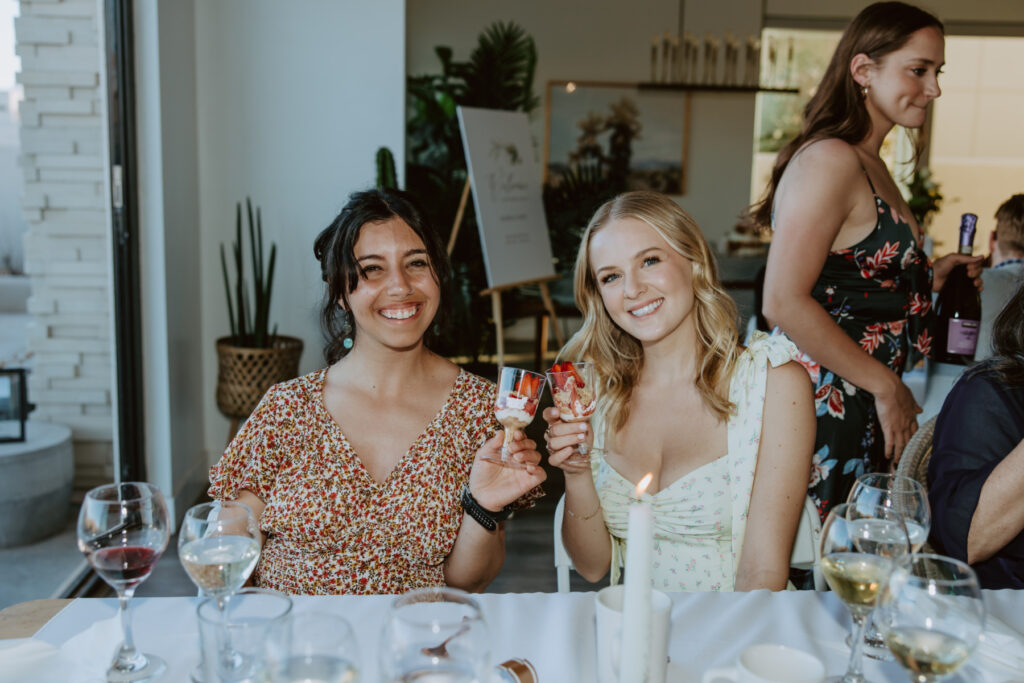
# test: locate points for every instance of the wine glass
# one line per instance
(908, 498)
(931, 614)
(435, 634)
(574, 390)
(218, 545)
(515, 404)
(123, 531)
(859, 547)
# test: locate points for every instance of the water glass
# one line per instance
(238, 637)
(322, 648)
(435, 634)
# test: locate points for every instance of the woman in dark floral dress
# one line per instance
(846, 279)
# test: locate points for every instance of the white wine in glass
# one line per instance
(859, 547)
(931, 615)
(218, 546)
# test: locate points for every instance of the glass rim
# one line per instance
(575, 364)
(438, 594)
(193, 511)
(522, 370)
(94, 493)
(970, 576)
(911, 484)
(249, 590)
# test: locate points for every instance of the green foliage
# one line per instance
(249, 316)
(498, 75)
(925, 198)
(386, 176)
(570, 201)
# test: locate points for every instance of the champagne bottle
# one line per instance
(958, 309)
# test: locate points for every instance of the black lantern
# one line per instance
(13, 404)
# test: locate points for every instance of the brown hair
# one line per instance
(1010, 232)
(617, 355)
(837, 108)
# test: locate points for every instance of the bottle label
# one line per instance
(963, 337)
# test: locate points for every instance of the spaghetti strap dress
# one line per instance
(879, 293)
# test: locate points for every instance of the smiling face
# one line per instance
(397, 294)
(646, 286)
(904, 82)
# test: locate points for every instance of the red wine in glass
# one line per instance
(123, 531)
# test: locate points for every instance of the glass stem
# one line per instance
(128, 658)
(853, 670)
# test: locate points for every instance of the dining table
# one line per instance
(554, 631)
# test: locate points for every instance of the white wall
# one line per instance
(293, 101)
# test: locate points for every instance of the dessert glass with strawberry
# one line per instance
(515, 404)
(573, 389)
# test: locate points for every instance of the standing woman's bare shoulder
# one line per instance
(824, 169)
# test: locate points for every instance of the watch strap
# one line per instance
(486, 518)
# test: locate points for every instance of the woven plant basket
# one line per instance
(244, 374)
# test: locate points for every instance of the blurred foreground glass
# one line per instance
(859, 548)
(931, 614)
(322, 648)
(237, 640)
(123, 531)
(435, 634)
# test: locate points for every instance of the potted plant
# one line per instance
(254, 357)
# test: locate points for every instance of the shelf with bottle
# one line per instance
(710, 87)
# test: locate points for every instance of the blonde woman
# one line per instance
(727, 431)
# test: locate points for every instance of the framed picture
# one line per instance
(13, 404)
(641, 136)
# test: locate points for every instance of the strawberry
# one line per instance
(557, 367)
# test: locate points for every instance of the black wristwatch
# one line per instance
(484, 517)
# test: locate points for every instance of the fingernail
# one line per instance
(580, 437)
(583, 426)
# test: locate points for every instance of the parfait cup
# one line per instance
(574, 391)
(515, 405)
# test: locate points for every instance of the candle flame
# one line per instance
(641, 487)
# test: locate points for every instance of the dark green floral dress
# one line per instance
(878, 292)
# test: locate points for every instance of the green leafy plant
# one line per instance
(498, 75)
(925, 198)
(386, 176)
(249, 315)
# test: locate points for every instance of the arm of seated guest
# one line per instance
(584, 532)
(478, 554)
(780, 479)
(999, 516)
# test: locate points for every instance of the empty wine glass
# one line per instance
(515, 404)
(435, 634)
(931, 614)
(123, 531)
(859, 547)
(573, 389)
(909, 499)
(322, 648)
(218, 545)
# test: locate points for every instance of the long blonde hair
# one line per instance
(617, 355)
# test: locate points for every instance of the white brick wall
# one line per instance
(66, 249)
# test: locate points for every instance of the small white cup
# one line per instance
(766, 663)
(608, 610)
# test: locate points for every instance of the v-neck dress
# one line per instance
(879, 293)
(700, 518)
(331, 528)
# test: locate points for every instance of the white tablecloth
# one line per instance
(556, 631)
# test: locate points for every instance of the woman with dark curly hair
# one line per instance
(976, 474)
(368, 476)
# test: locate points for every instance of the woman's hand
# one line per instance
(942, 267)
(495, 486)
(897, 412)
(564, 440)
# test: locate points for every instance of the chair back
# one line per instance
(807, 544)
(562, 561)
(918, 453)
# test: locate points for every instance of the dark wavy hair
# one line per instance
(837, 108)
(334, 249)
(1008, 340)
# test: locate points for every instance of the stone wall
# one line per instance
(67, 250)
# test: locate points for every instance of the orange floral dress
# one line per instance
(330, 527)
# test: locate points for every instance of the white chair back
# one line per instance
(807, 544)
(562, 561)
